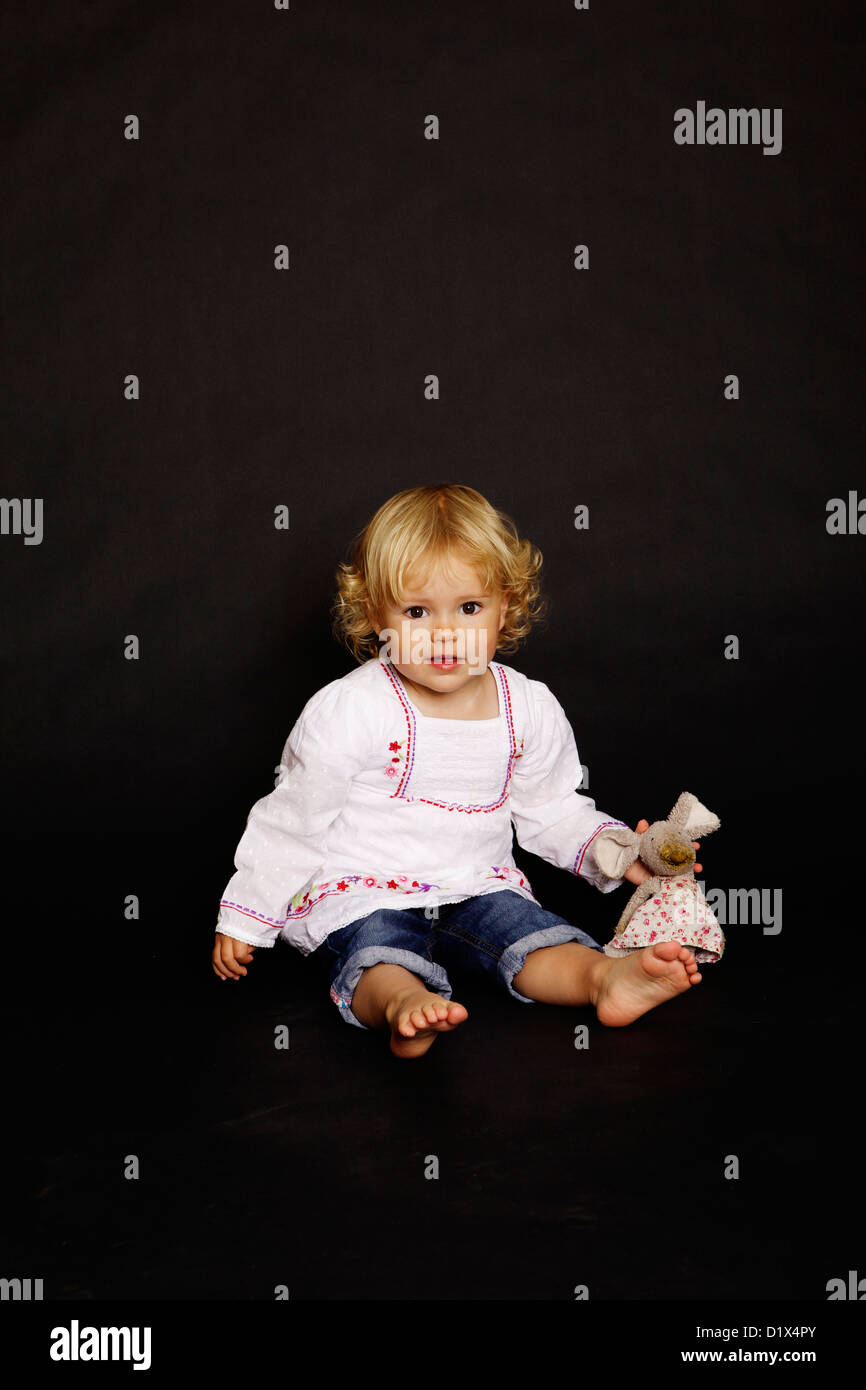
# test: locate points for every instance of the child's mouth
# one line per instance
(444, 663)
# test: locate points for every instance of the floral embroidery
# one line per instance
(509, 875)
(303, 903)
(409, 756)
(392, 767)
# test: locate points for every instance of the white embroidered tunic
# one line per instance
(379, 805)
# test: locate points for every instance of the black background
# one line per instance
(306, 388)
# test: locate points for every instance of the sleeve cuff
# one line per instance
(240, 928)
(586, 867)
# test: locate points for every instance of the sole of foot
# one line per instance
(637, 983)
(417, 1019)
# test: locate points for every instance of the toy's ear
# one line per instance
(616, 850)
(692, 817)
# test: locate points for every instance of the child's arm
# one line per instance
(284, 841)
(551, 818)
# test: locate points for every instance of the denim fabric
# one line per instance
(493, 933)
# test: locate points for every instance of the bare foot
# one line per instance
(415, 1016)
(637, 983)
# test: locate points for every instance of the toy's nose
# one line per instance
(676, 855)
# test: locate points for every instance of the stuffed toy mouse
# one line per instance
(669, 906)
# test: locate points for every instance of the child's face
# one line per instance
(445, 630)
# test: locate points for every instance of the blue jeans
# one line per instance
(494, 933)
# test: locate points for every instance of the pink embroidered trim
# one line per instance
(579, 857)
(400, 883)
(509, 875)
(256, 916)
(410, 729)
(513, 753)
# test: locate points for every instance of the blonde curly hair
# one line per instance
(426, 524)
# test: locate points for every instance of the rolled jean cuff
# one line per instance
(344, 985)
(513, 959)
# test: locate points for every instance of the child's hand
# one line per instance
(229, 957)
(638, 871)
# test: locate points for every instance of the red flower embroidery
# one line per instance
(342, 885)
(394, 747)
(391, 883)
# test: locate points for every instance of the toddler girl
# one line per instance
(387, 842)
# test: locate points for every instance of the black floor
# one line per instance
(305, 1168)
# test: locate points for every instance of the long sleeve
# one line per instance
(551, 818)
(284, 840)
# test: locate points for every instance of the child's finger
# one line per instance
(228, 963)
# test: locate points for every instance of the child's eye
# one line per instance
(417, 608)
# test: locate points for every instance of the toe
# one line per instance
(665, 950)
